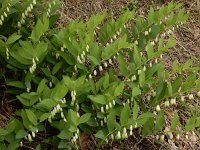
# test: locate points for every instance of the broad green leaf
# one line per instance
(73, 117)
(190, 124)
(119, 89)
(100, 99)
(56, 68)
(148, 127)
(135, 110)
(3, 132)
(136, 91)
(17, 84)
(84, 118)
(125, 114)
(59, 91)
(65, 135)
(44, 116)
(159, 121)
(31, 116)
(21, 134)
(174, 121)
(46, 104)
(41, 86)
(101, 134)
(142, 78)
(14, 37)
(106, 81)
(40, 28)
(123, 65)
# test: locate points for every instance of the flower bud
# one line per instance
(112, 136)
(146, 33)
(29, 138)
(118, 135)
(113, 102)
(34, 2)
(107, 107)
(62, 115)
(131, 127)
(33, 134)
(105, 120)
(5, 14)
(162, 137)
(131, 132)
(101, 122)
(150, 64)
(110, 61)
(21, 144)
(178, 136)
(110, 105)
(191, 96)
(102, 109)
(144, 68)
(133, 78)
(105, 64)
(198, 94)
(95, 72)
(139, 72)
(182, 98)
(156, 60)
(170, 135)
(186, 136)
(166, 103)
(157, 108)
(100, 68)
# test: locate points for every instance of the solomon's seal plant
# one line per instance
(104, 77)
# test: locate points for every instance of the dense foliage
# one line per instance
(103, 77)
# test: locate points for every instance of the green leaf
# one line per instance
(21, 134)
(73, 117)
(56, 68)
(174, 121)
(44, 116)
(17, 84)
(136, 56)
(41, 27)
(3, 132)
(190, 124)
(115, 47)
(119, 89)
(59, 91)
(64, 144)
(65, 135)
(101, 134)
(122, 65)
(148, 127)
(150, 51)
(135, 110)
(46, 104)
(159, 121)
(84, 118)
(125, 114)
(41, 86)
(136, 91)
(100, 99)
(31, 116)
(106, 81)
(13, 145)
(142, 78)
(14, 37)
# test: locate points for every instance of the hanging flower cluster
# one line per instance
(25, 13)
